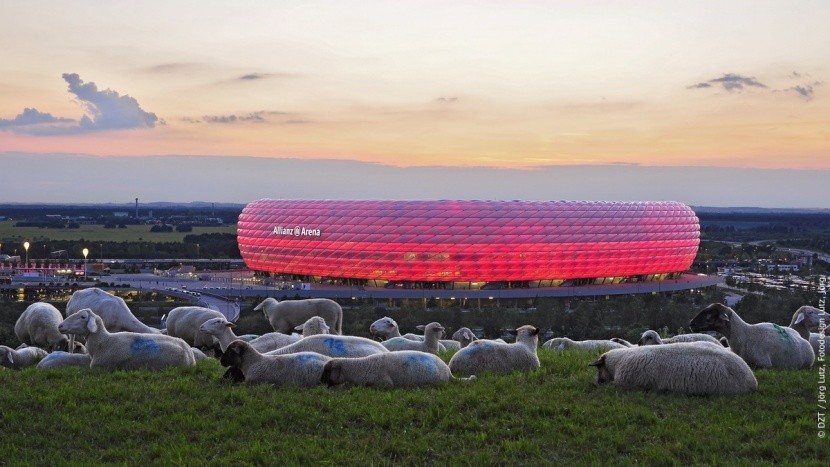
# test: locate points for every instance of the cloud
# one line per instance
(446, 100)
(32, 116)
(259, 116)
(109, 109)
(731, 82)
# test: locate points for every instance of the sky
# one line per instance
(725, 96)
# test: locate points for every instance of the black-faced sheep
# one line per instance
(299, 369)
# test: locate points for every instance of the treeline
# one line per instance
(210, 246)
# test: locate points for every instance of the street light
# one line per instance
(26, 247)
(85, 251)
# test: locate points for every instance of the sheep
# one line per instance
(184, 322)
(432, 332)
(222, 330)
(651, 337)
(387, 328)
(624, 342)
(299, 369)
(20, 358)
(402, 369)
(38, 326)
(287, 314)
(198, 354)
(464, 336)
(563, 343)
(807, 317)
(313, 326)
(111, 309)
(126, 350)
(486, 355)
(762, 345)
(65, 360)
(333, 346)
(692, 368)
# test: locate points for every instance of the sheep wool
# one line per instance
(402, 369)
(807, 317)
(333, 346)
(65, 360)
(38, 326)
(297, 369)
(185, 322)
(20, 358)
(564, 343)
(111, 309)
(695, 368)
(222, 330)
(288, 314)
(651, 337)
(432, 333)
(497, 357)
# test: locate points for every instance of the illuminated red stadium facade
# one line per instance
(536, 243)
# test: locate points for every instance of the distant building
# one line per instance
(120, 214)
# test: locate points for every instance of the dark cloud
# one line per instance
(108, 109)
(806, 91)
(254, 76)
(259, 116)
(31, 116)
(731, 82)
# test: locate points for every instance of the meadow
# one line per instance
(97, 233)
(556, 414)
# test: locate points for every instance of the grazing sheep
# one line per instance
(38, 326)
(222, 330)
(387, 328)
(403, 369)
(299, 369)
(563, 343)
(113, 310)
(333, 346)
(65, 360)
(486, 355)
(313, 326)
(126, 350)
(651, 337)
(432, 333)
(20, 358)
(288, 314)
(692, 368)
(185, 322)
(762, 345)
(807, 317)
(624, 342)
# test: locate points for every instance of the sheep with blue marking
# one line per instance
(61, 359)
(333, 345)
(38, 326)
(692, 368)
(17, 359)
(297, 369)
(564, 343)
(806, 318)
(126, 350)
(222, 330)
(402, 369)
(432, 333)
(761, 345)
(651, 337)
(497, 357)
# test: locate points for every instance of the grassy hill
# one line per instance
(554, 414)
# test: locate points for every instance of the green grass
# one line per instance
(97, 233)
(551, 415)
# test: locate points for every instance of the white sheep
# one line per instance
(65, 360)
(806, 318)
(388, 329)
(651, 337)
(38, 326)
(111, 309)
(20, 358)
(284, 316)
(126, 350)
(403, 369)
(333, 346)
(299, 369)
(692, 368)
(222, 330)
(762, 345)
(313, 326)
(432, 333)
(198, 354)
(184, 322)
(497, 357)
(564, 343)
(464, 336)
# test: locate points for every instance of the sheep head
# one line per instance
(332, 374)
(810, 316)
(383, 326)
(234, 354)
(432, 328)
(650, 337)
(82, 322)
(715, 317)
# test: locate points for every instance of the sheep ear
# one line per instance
(600, 362)
(420, 327)
(799, 318)
(230, 325)
(298, 328)
(91, 325)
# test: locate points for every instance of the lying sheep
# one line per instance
(198, 354)
(806, 318)
(464, 336)
(299, 369)
(185, 322)
(20, 358)
(622, 341)
(65, 360)
(222, 330)
(563, 343)
(38, 326)
(111, 309)
(288, 314)
(762, 345)
(432, 333)
(333, 346)
(403, 369)
(387, 328)
(126, 350)
(486, 355)
(313, 326)
(651, 337)
(692, 368)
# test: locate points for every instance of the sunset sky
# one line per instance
(503, 85)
